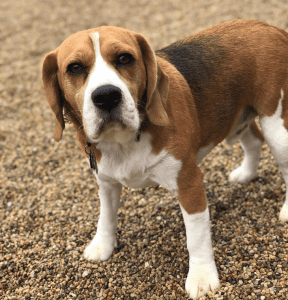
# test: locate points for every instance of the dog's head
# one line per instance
(106, 80)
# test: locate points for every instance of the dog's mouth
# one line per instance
(112, 130)
(110, 125)
(120, 125)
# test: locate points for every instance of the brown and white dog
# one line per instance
(152, 117)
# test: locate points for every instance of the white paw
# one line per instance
(201, 279)
(242, 175)
(100, 248)
(284, 213)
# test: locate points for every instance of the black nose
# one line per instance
(106, 97)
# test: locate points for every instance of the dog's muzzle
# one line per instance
(107, 97)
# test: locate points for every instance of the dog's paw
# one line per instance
(242, 175)
(284, 213)
(201, 279)
(100, 248)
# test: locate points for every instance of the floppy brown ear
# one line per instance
(53, 92)
(157, 86)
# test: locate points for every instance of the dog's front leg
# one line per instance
(202, 275)
(104, 242)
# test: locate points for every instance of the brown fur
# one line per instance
(181, 138)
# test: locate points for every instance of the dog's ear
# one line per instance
(157, 85)
(53, 92)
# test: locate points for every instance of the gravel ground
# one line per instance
(49, 205)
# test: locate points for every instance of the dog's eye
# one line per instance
(125, 59)
(75, 69)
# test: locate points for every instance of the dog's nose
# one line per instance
(106, 97)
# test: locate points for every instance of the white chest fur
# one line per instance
(135, 166)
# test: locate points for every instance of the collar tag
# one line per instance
(92, 159)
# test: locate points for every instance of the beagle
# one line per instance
(150, 117)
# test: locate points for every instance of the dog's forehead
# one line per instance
(116, 40)
(111, 34)
(80, 47)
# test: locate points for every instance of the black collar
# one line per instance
(142, 111)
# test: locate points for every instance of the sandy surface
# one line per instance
(48, 199)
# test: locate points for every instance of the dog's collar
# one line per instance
(141, 127)
(141, 109)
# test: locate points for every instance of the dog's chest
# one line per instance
(135, 166)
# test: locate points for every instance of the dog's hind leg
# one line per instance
(251, 142)
(275, 131)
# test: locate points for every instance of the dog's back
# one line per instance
(232, 70)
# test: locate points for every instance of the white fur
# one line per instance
(248, 169)
(135, 166)
(104, 242)
(103, 74)
(283, 216)
(276, 136)
(202, 274)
